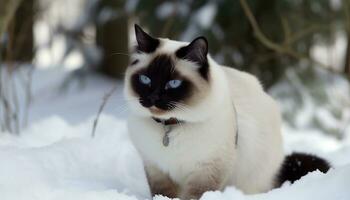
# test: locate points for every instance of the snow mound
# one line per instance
(53, 160)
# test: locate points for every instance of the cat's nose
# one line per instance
(153, 98)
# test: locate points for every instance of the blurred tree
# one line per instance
(347, 58)
(112, 37)
(346, 8)
(18, 36)
(16, 46)
(294, 25)
(279, 33)
(100, 34)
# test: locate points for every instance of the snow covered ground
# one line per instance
(56, 158)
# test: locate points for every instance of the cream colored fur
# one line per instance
(204, 147)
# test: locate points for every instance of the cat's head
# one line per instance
(167, 78)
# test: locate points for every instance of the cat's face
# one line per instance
(166, 78)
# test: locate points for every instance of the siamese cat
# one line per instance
(200, 126)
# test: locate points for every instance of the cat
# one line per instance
(200, 126)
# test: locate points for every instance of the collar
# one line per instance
(168, 125)
(166, 122)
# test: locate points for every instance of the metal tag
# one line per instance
(167, 130)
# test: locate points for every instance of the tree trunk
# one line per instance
(347, 58)
(19, 33)
(112, 37)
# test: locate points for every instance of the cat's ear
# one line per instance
(196, 51)
(145, 42)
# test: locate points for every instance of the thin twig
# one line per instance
(286, 30)
(305, 32)
(257, 31)
(104, 102)
(28, 95)
(15, 103)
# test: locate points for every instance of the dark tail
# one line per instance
(297, 165)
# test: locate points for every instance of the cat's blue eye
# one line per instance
(173, 84)
(144, 79)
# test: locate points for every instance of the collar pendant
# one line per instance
(166, 139)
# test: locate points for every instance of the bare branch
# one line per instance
(305, 32)
(281, 49)
(104, 102)
(28, 95)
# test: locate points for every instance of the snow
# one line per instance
(333, 185)
(56, 157)
(64, 161)
(131, 5)
(314, 100)
(76, 103)
(168, 9)
(331, 55)
(206, 15)
(202, 19)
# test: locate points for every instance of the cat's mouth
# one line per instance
(156, 111)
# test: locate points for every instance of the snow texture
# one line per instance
(55, 158)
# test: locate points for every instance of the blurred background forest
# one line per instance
(299, 49)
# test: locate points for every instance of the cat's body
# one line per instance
(207, 150)
(210, 144)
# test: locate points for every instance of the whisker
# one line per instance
(117, 53)
(184, 109)
(190, 126)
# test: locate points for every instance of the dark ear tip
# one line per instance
(202, 38)
(201, 41)
(137, 27)
(145, 42)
